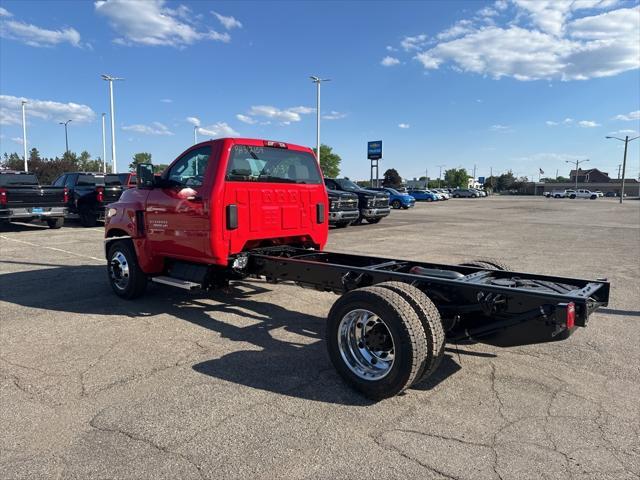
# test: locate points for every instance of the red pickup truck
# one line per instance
(229, 209)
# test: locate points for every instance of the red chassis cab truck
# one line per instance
(231, 209)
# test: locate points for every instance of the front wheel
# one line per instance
(456, 196)
(125, 276)
(572, 197)
(429, 199)
(376, 341)
(396, 204)
(55, 223)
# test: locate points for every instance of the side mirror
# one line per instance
(145, 177)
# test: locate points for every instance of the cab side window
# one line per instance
(59, 181)
(190, 169)
(69, 181)
(330, 184)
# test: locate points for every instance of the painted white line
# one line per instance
(101, 260)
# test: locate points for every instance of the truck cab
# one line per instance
(221, 198)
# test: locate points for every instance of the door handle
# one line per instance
(195, 198)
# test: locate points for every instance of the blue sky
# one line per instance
(507, 84)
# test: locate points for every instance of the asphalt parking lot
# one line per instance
(238, 385)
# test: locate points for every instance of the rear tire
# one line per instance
(55, 223)
(572, 197)
(398, 349)
(456, 196)
(125, 276)
(87, 217)
(431, 323)
(488, 264)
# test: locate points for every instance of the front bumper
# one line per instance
(343, 216)
(27, 212)
(375, 212)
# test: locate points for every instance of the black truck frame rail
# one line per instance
(473, 301)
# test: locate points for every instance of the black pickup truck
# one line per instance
(374, 206)
(89, 194)
(343, 208)
(23, 199)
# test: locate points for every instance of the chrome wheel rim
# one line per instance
(366, 344)
(119, 270)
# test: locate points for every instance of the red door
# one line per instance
(177, 216)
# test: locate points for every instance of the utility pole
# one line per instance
(624, 161)
(195, 134)
(104, 147)
(66, 137)
(440, 174)
(474, 173)
(578, 162)
(619, 167)
(318, 81)
(111, 79)
(426, 178)
(556, 174)
(24, 135)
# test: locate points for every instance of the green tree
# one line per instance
(160, 168)
(141, 157)
(329, 162)
(505, 181)
(457, 177)
(391, 178)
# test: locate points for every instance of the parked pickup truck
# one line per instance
(343, 208)
(240, 209)
(374, 206)
(89, 193)
(582, 193)
(558, 194)
(23, 199)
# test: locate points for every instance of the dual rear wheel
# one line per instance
(385, 338)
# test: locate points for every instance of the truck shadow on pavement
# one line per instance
(281, 350)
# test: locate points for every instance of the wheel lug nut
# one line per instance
(359, 325)
(360, 345)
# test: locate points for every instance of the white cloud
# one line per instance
(156, 128)
(499, 128)
(166, 100)
(33, 35)
(389, 48)
(626, 131)
(284, 116)
(227, 22)
(195, 121)
(544, 39)
(413, 43)
(551, 123)
(11, 110)
(333, 115)
(567, 121)
(246, 119)
(629, 116)
(389, 61)
(403, 125)
(219, 129)
(19, 140)
(150, 22)
(588, 124)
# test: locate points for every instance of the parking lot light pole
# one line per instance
(195, 134)
(318, 81)
(577, 162)
(104, 147)
(111, 79)
(624, 160)
(24, 134)
(440, 174)
(66, 136)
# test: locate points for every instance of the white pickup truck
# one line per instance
(557, 194)
(581, 193)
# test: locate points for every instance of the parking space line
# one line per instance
(101, 260)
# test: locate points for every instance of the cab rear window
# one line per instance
(270, 164)
(9, 179)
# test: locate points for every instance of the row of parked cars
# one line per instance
(579, 193)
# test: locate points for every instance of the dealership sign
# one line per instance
(374, 150)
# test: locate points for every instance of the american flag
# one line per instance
(541, 171)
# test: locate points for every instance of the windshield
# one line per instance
(393, 191)
(17, 179)
(347, 184)
(270, 164)
(113, 180)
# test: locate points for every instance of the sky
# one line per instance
(509, 84)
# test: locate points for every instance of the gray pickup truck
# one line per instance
(23, 199)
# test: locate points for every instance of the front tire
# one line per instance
(396, 204)
(572, 197)
(55, 223)
(376, 341)
(125, 276)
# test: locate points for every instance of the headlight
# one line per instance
(111, 212)
(370, 202)
(333, 206)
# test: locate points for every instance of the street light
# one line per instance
(578, 162)
(318, 81)
(66, 137)
(195, 134)
(440, 174)
(104, 147)
(111, 79)
(24, 135)
(624, 160)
